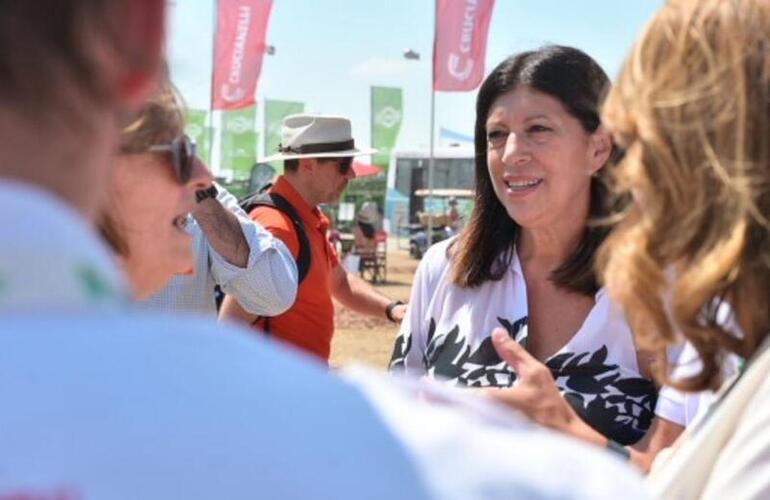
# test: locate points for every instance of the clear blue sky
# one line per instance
(329, 52)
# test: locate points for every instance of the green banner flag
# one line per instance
(239, 141)
(196, 129)
(275, 112)
(386, 122)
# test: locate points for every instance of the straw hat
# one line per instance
(316, 136)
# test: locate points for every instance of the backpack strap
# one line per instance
(278, 202)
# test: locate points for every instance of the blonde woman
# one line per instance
(151, 194)
(690, 261)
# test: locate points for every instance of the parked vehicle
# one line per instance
(408, 174)
(441, 224)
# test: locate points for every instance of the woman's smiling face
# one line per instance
(540, 158)
(151, 206)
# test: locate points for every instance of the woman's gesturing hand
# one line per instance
(535, 393)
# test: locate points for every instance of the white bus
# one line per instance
(453, 168)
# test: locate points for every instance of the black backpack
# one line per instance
(278, 202)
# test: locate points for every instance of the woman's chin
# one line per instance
(145, 284)
(185, 265)
(146, 288)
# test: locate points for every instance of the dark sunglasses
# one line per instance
(344, 164)
(182, 151)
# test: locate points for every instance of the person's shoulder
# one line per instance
(170, 377)
(609, 311)
(279, 224)
(438, 253)
(436, 259)
(270, 216)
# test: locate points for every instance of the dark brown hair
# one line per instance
(484, 251)
(47, 41)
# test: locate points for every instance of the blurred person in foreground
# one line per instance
(228, 248)
(234, 253)
(151, 192)
(105, 402)
(690, 259)
(525, 259)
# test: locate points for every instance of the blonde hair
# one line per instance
(692, 109)
(160, 121)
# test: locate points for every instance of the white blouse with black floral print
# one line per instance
(446, 335)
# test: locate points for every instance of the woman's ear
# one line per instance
(600, 149)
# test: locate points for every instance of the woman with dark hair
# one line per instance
(525, 260)
(689, 260)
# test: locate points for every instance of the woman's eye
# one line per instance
(534, 129)
(496, 136)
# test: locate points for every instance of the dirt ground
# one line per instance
(370, 340)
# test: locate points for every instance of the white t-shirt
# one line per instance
(446, 335)
(104, 402)
(685, 408)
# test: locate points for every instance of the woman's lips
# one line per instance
(521, 185)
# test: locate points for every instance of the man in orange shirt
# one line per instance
(318, 154)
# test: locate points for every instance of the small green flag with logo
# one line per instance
(275, 112)
(197, 130)
(386, 122)
(239, 141)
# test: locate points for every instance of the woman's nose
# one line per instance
(516, 150)
(200, 177)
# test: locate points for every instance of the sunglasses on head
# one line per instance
(182, 151)
(344, 164)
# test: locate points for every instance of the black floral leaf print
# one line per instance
(434, 344)
(584, 377)
(557, 362)
(644, 416)
(586, 385)
(574, 399)
(516, 329)
(575, 361)
(401, 348)
(431, 330)
(451, 358)
(599, 357)
(577, 365)
(634, 386)
(444, 346)
(620, 408)
(609, 379)
(484, 353)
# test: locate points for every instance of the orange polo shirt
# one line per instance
(309, 323)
